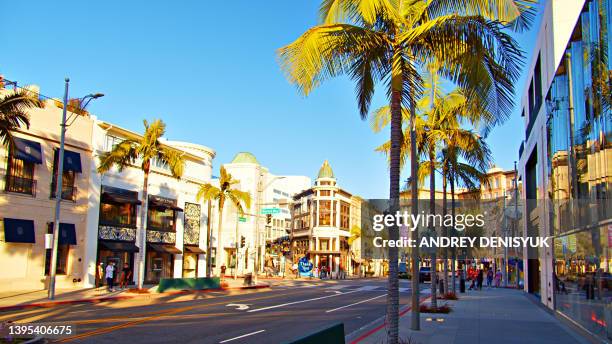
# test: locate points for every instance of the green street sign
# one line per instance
(242, 219)
(270, 211)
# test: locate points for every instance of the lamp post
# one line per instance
(260, 190)
(83, 102)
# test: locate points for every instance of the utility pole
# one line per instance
(516, 222)
(257, 211)
(58, 195)
(505, 230)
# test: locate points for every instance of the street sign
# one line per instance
(270, 211)
(242, 219)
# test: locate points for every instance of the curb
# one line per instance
(381, 326)
(51, 304)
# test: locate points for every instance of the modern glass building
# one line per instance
(566, 163)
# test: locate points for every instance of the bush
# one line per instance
(443, 309)
(403, 275)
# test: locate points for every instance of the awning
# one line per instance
(111, 197)
(163, 203)
(16, 230)
(162, 248)
(72, 160)
(194, 249)
(67, 233)
(118, 246)
(27, 150)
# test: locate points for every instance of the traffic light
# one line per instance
(268, 219)
(242, 241)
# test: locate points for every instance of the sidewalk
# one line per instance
(38, 298)
(489, 316)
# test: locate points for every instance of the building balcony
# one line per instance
(26, 186)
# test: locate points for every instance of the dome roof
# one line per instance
(326, 171)
(245, 158)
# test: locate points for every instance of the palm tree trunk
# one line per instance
(208, 241)
(143, 224)
(394, 192)
(432, 210)
(415, 323)
(454, 250)
(220, 247)
(444, 211)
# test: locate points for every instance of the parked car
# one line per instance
(424, 274)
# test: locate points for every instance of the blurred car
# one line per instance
(424, 274)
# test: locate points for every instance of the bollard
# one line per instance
(462, 285)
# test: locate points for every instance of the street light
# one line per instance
(83, 102)
(260, 190)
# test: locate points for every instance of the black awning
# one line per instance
(194, 249)
(162, 203)
(16, 230)
(27, 150)
(72, 160)
(111, 197)
(118, 246)
(67, 234)
(165, 248)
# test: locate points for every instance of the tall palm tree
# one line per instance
(375, 41)
(143, 150)
(225, 192)
(14, 106)
(463, 164)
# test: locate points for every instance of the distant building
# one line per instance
(322, 222)
(270, 193)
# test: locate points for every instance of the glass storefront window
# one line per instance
(161, 219)
(118, 214)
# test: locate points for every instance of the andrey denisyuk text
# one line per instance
(461, 242)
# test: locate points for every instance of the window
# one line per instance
(324, 193)
(111, 141)
(161, 219)
(324, 243)
(62, 257)
(68, 180)
(20, 176)
(325, 213)
(118, 214)
(345, 212)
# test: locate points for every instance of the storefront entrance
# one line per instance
(118, 253)
(159, 263)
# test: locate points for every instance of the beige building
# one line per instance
(322, 222)
(27, 201)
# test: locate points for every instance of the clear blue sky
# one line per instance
(209, 70)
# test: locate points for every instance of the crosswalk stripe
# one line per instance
(368, 288)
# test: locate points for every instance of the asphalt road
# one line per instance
(286, 311)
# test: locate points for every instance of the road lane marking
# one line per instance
(239, 306)
(356, 303)
(301, 301)
(154, 317)
(403, 289)
(244, 335)
(368, 287)
(335, 287)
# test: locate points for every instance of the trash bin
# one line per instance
(462, 285)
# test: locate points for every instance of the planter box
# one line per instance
(201, 283)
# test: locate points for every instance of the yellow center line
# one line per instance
(157, 316)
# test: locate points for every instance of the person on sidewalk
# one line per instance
(110, 275)
(498, 277)
(490, 278)
(480, 279)
(100, 275)
(126, 275)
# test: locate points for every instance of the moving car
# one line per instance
(424, 274)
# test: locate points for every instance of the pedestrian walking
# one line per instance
(100, 275)
(223, 268)
(110, 275)
(498, 277)
(126, 275)
(480, 279)
(490, 278)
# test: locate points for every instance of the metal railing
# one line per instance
(26, 186)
